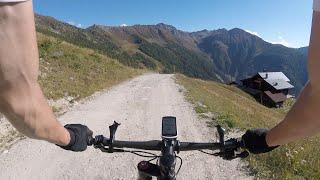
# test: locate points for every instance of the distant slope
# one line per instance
(68, 70)
(91, 38)
(219, 55)
(132, 49)
(232, 108)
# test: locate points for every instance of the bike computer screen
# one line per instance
(169, 127)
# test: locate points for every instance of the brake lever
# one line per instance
(98, 145)
(230, 155)
(229, 150)
(107, 150)
(244, 154)
(113, 129)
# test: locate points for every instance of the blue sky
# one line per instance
(279, 21)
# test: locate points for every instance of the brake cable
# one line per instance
(212, 154)
(181, 162)
(136, 152)
(150, 155)
(141, 155)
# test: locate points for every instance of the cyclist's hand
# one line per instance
(255, 141)
(79, 137)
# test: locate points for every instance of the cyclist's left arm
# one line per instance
(21, 98)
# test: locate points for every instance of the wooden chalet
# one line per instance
(269, 88)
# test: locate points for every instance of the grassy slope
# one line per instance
(68, 70)
(233, 108)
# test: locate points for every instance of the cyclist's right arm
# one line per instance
(303, 119)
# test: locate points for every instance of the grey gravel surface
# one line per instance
(139, 105)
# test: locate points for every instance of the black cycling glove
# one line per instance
(255, 141)
(79, 137)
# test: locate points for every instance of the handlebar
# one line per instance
(154, 145)
(100, 140)
(227, 149)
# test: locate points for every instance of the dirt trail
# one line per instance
(138, 105)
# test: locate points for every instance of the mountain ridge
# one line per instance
(220, 55)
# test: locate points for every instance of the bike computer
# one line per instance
(169, 127)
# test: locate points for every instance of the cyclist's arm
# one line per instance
(304, 118)
(21, 98)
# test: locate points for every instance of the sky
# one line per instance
(286, 22)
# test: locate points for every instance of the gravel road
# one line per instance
(139, 105)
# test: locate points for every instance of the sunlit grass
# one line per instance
(236, 109)
(67, 70)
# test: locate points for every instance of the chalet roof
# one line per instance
(279, 84)
(278, 80)
(278, 97)
(273, 75)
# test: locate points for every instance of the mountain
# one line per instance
(239, 54)
(220, 55)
